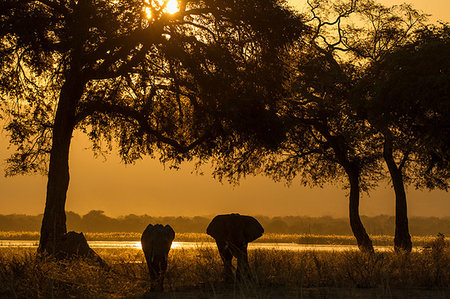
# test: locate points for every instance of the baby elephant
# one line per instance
(156, 241)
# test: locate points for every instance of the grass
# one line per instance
(378, 240)
(196, 273)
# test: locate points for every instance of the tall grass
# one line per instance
(194, 273)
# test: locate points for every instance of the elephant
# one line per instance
(232, 233)
(156, 241)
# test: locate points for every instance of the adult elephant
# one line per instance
(232, 233)
(156, 241)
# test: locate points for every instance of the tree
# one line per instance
(328, 137)
(351, 50)
(324, 138)
(129, 72)
(366, 47)
(408, 101)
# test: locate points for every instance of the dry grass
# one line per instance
(196, 273)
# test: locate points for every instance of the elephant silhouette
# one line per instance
(232, 233)
(156, 241)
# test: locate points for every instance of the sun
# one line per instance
(170, 6)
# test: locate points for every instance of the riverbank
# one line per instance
(196, 273)
(378, 240)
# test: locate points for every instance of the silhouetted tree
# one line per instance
(351, 50)
(408, 102)
(327, 135)
(326, 140)
(358, 38)
(126, 72)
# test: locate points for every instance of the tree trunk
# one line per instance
(402, 240)
(54, 221)
(353, 172)
(362, 238)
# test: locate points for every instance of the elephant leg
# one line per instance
(159, 283)
(225, 254)
(243, 269)
(148, 259)
(154, 277)
(156, 281)
(162, 268)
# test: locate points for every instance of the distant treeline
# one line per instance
(97, 221)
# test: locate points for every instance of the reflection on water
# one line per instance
(194, 245)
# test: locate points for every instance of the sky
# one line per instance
(147, 188)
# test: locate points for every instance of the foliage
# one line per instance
(130, 73)
(147, 84)
(346, 38)
(408, 101)
(351, 107)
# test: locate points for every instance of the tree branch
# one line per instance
(130, 113)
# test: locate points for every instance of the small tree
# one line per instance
(132, 73)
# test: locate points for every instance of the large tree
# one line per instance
(388, 73)
(133, 72)
(361, 35)
(329, 134)
(325, 140)
(407, 99)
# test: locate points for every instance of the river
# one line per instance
(194, 245)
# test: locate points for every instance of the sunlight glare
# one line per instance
(175, 245)
(171, 7)
(137, 245)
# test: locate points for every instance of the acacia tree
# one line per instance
(328, 135)
(363, 35)
(407, 100)
(324, 138)
(385, 49)
(129, 72)
(388, 28)
(328, 141)
(362, 38)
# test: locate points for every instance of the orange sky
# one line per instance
(146, 188)
(439, 9)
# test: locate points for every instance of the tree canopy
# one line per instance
(132, 74)
(409, 98)
(136, 72)
(346, 78)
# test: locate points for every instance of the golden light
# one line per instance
(172, 6)
(168, 6)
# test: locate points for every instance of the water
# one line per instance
(195, 245)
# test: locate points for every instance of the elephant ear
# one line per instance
(170, 232)
(216, 227)
(147, 231)
(146, 238)
(252, 228)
